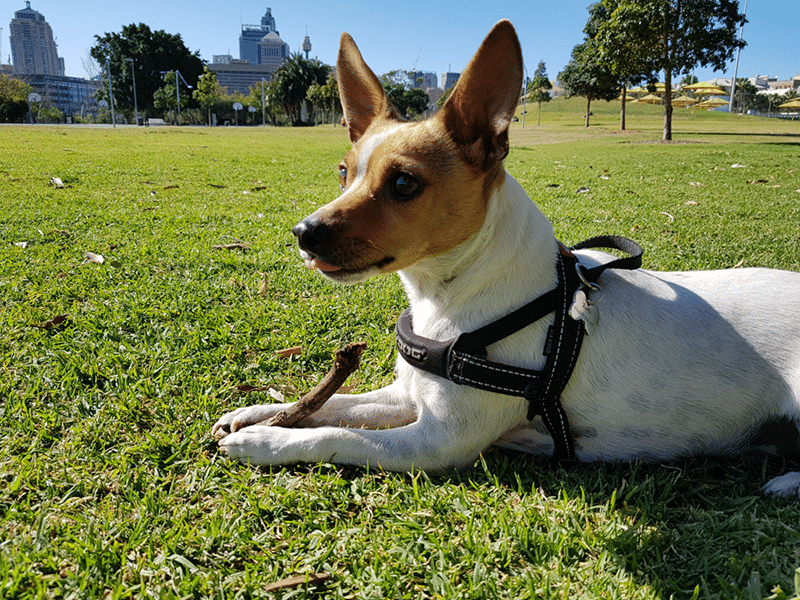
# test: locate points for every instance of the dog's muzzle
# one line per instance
(312, 235)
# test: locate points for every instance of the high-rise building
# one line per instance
(449, 79)
(33, 48)
(251, 36)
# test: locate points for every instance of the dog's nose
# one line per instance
(312, 235)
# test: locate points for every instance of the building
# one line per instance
(251, 37)
(272, 51)
(239, 75)
(422, 79)
(33, 47)
(73, 96)
(449, 79)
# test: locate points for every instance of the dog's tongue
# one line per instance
(316, 263)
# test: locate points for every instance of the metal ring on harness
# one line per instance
(589, 284)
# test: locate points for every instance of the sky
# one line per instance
(433, 35)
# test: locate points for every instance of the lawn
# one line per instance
(112, 373)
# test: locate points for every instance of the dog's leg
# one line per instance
(427, 444)
(386, 407)
(786, 485)
(433, 433)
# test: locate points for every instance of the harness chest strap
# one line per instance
(463, 359)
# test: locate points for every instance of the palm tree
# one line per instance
(292, 80)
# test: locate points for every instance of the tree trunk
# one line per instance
(667, 104)
(539, 119)
(588, 109)
(622, 112)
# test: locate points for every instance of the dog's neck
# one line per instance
(508, 262)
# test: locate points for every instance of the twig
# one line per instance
(293, 582)
(345, 362)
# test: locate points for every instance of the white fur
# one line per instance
(681, 363)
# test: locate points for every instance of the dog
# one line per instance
(675, 364)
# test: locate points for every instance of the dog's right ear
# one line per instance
(361, 92)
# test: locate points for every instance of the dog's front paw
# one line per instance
(786, 485)
(259, 445)
(244, 417)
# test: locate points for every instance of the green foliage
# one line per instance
(111, 486)
(325, 98)
(588, 76)
(409, 102)
(153, 52)
(538, 90)
(643, 37)
(209, 92)
(292, 81)
(13, 100)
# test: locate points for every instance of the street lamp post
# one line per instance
(135, 103)
(111, 93)
(178, 91)
(263, 104)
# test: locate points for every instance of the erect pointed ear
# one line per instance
(361, 92)
(485, 97)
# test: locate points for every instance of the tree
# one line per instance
(673, 36)
(153, 52)
(291, 82)
(13, 100)
(166, 98)
(209, 92)
(630, 67)
(325, 97)
(588, 76)
(409, 102)
(539, 89)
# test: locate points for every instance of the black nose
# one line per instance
(312, 235)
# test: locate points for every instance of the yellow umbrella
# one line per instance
(628, 98)
(705, 88)
(683, 101)
(650, 99)
(710, 103)
(791, 104)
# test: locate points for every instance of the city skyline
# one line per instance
(414, 39)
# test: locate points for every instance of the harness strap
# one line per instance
(463, 359)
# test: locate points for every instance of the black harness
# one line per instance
(463, 359)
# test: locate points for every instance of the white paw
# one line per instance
(260, 445)
(244, 417)
(787, 485)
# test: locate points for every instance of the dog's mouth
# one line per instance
(344, 274)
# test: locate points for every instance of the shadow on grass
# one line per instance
(696, 525)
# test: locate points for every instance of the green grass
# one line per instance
(110, 485)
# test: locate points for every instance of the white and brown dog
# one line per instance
(679, 363)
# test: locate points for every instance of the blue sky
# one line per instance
(435, 35)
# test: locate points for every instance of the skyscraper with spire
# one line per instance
(33, 47)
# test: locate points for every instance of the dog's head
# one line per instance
(414, 190)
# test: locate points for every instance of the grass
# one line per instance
(110, 485)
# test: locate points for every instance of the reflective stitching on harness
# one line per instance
(562, 277)
(468, 359)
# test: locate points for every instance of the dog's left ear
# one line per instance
(478, 112)
(361, 92)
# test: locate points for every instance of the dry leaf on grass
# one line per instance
(56, 322)
(289, 352)
(235, 246)
(297, 581)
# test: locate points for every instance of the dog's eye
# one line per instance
(342, 177)
(404, 186)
